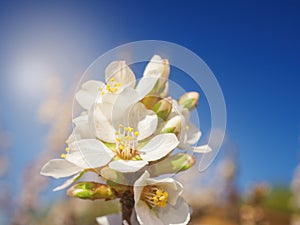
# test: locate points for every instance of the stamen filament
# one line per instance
(126, 141)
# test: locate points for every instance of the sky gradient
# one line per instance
(253, 48)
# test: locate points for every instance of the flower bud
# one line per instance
(189, 100)
(160, 66)
(163, 108)
(150, 100)
(91, 191)
(173, 125)
(172, 164)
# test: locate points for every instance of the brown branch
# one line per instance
(127, 202)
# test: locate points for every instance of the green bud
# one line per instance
(173, 125)
(163, 108)
(189, 100)
(91, 191)
(172, 164)
(150, 100)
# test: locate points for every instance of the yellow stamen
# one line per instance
(155, 196)
(112, 79)
(67, 149)
(136, 133)
(118, 139)
(126, 143)
(63, 156)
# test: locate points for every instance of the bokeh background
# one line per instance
(253, 48)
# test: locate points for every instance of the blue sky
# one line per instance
(252, 47)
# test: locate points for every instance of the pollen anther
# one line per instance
(155, 196)
(126, 142)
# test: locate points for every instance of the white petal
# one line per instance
(174, 189)
(193, 134)
(159, 146)
(81, 118)
(91, 151)
(145, 85)
(127, 166)
(88, 93)
(109, 97)
(178, 214)
(58, 168)
(67, 183)
(103, 220)
(145, 215)
(121, 73)
(82, 129)
(202, 149)
(100, 122)
(139, 185)
(122, 106)
(143, 120)
(157, 67)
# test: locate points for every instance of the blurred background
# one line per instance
(252, 47)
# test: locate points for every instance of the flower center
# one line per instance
(155, 196)
(126, 142)
(111, 87)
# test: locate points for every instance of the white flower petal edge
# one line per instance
(88, 93)
(193, 134)
(145, 85)
(189, 133)
(127, 166)
(82, 129)
(121, 73)
(143, 120)
(100, 122)
(58, 168)
(157, 65)
(67, 183)
(159, 147)
(146, 216)
(155, 69)
(91, 153)
(178, 213)
(202, 149)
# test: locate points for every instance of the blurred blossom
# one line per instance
(253, 212)
(58, 117)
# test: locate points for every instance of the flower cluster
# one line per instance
(127, 134)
